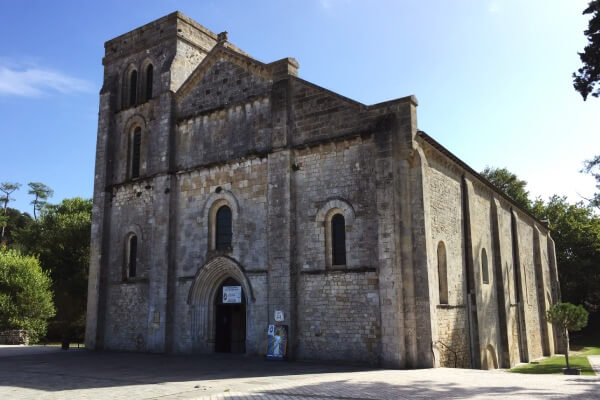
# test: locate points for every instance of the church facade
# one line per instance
(231, 195)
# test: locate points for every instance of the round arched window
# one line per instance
(223, 229)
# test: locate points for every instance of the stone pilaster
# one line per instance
(280, 242)
(100, 228)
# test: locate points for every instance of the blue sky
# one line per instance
(493, 77)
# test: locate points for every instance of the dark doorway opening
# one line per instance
(230, 318)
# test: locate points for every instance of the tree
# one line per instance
(61, 238)
(587, 78)
(7, 188)
(592, 167)
(510, 184)
(15, 220)
(567, 317)
(576, 232)
(25, 295)
(41, 193)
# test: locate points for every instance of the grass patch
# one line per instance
(554, 365)
(580, 350)
(58, 344)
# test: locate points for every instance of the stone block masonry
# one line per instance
(326, 215)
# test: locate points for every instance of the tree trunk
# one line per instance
(5, 207)
(567, 352)
(35, 206)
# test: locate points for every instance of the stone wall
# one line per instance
(529, 287)
(483, 254)
(338, 316)
(224, 80)
(16, 336)
(242, 185)
(504, 220)
(445, 206)
(509, 313)
(330, 176)
(452, 342)
(222, 135)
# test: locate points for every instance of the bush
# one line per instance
(25, 295)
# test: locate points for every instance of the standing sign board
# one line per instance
(232, 294)
(277, 337)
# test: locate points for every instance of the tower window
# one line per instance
(132, 257)
(338, 240)
(133, 88)
(136, 144)
(149, 79)
(223, 232)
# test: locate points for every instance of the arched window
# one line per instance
(223, 231)
(338, 240)
(149, 79)
(135, 152)
(442, 273)
(132, 256)
(484, 267)
(133, 88)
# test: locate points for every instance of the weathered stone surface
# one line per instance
(16, 336)
(223, 129)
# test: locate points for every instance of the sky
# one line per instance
(493, 77)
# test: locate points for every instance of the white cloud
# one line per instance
(33, 81)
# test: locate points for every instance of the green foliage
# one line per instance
(41, 193)
(587, 78)
(592, 167)
(510, 184)
(6, 188)
(61, 239)
(568, 316)
(576, 233)
(25, 296)
(14, 220)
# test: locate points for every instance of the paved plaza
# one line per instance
(50, 373)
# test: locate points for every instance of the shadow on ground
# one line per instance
(53, 371)
(81, 369)
(425, 389)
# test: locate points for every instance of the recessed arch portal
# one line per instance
(207, 283)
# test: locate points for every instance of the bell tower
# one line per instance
(142, 70)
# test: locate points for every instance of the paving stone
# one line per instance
(51, 374)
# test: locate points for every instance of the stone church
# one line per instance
(231, 195)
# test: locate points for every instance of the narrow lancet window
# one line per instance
(442, 273)
(133, 88)
(223, 229)
(132, 259)
(136, 144)
(149, 79)
(338, 240)
(484, 267)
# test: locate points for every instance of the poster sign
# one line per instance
(277, 337)
(278, 316)
(232, 294)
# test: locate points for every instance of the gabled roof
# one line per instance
(222, 50)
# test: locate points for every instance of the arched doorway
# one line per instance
(208, 311)
(230, 318)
